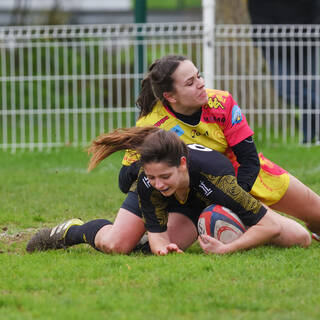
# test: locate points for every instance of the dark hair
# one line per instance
(163, 146)
(157, 81)
(153, 144)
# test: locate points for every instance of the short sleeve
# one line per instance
(236, 127)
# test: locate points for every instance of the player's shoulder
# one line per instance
(217, 93)
(218, 100)
(209, 161)
(157, 117)
(143, 185)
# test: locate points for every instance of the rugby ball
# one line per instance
(220, 223)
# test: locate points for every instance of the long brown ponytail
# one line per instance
(120, 139)
(152, 143)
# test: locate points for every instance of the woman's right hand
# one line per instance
(160, 244)
(171, 247)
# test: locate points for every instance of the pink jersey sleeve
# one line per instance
(236, 127)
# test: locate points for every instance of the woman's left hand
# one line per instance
(211, 245)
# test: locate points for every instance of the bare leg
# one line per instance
(181, 230)
(301, 202)
(292, 233)
(128, 228)
(122, 236)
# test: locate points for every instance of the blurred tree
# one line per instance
(23, 13)
(232, 12)
(56, 15)
(20, 9)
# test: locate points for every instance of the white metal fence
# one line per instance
(64, 85)
(273, 73)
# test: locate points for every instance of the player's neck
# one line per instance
(185, 110)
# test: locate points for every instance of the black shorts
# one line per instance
(131, 203)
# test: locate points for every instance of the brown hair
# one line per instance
(153, 144)
(163, 146)
(157, 81)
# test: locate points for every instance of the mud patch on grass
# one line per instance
(14, 243)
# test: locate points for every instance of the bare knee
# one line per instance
(305, 239)
(181, 230)
(302, 238)
(292, 234)
(122, 236)
(118, 246)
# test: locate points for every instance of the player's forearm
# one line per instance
(248, 159)
(263, 232)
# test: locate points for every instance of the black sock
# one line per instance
(85, 233)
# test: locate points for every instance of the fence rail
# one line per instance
(63, 85)
(273, 73)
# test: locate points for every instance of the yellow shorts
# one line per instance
(272, 182)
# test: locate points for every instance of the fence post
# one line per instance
(140, 16)
(208, 19)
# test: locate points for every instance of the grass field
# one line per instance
(42, 189)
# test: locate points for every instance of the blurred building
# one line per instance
(39, 12)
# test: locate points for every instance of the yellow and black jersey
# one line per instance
(212, 181)
(221, 125)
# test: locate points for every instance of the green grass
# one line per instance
(42, 189)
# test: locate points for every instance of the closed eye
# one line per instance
(190, 81)
(165, 177)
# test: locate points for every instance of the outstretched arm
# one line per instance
(263, 232)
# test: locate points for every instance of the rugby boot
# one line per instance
(46, 239)
(315, 237)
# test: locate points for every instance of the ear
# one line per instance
(169, 96)
(183, 162)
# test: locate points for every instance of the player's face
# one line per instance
(189, 91)
(165, 178)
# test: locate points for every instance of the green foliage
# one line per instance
(171, 4)
(65, 129)
(57, 74)
(75, 73)
(41, 189)
(61, 91)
